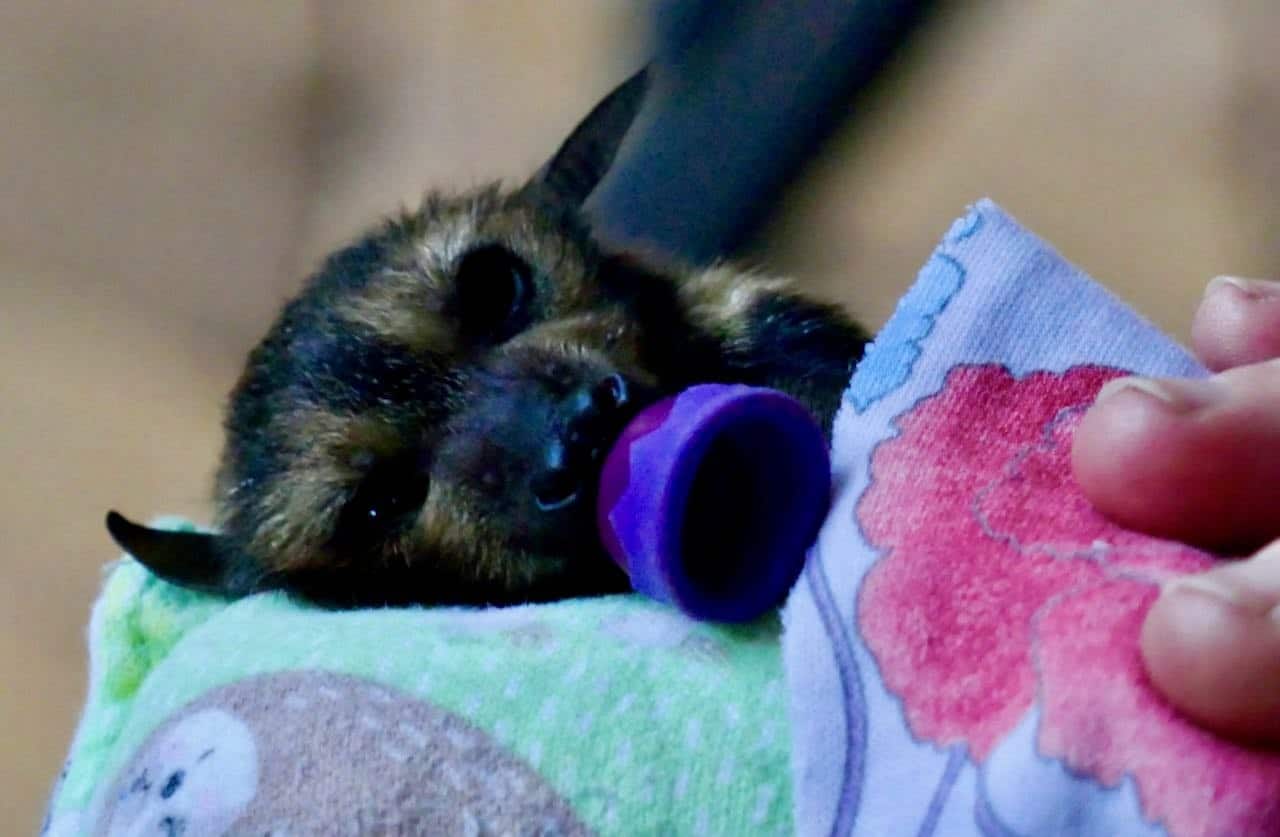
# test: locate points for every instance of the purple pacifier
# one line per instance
(709, 500)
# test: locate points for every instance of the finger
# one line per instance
(1238, 322)
(1211, 643)
(1195, 460)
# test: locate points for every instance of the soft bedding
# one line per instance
(960, 654)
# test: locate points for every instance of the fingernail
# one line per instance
(1270, 556)
(1249, 586)
(1181, 395)
(1206, 585)
(1249, 288)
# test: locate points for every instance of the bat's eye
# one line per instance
(494, 291)
(389, 493)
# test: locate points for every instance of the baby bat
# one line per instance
(425, 421)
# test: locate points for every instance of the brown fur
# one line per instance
(425, 420)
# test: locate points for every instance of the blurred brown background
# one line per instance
(168, 172)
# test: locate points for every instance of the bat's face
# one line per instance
(435, 407)
(427, 420)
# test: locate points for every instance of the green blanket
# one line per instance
(266, 716)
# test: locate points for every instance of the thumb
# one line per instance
(1212, 645)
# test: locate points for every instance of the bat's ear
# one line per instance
(188, 559)
(573, 172)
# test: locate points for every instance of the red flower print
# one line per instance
(999, 585)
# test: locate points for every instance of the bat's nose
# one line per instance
(591, 418)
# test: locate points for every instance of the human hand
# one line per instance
(1199, 461)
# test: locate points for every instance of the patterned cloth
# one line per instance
(614, 715)
(961, 651)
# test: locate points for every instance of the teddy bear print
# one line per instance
(312, 752)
